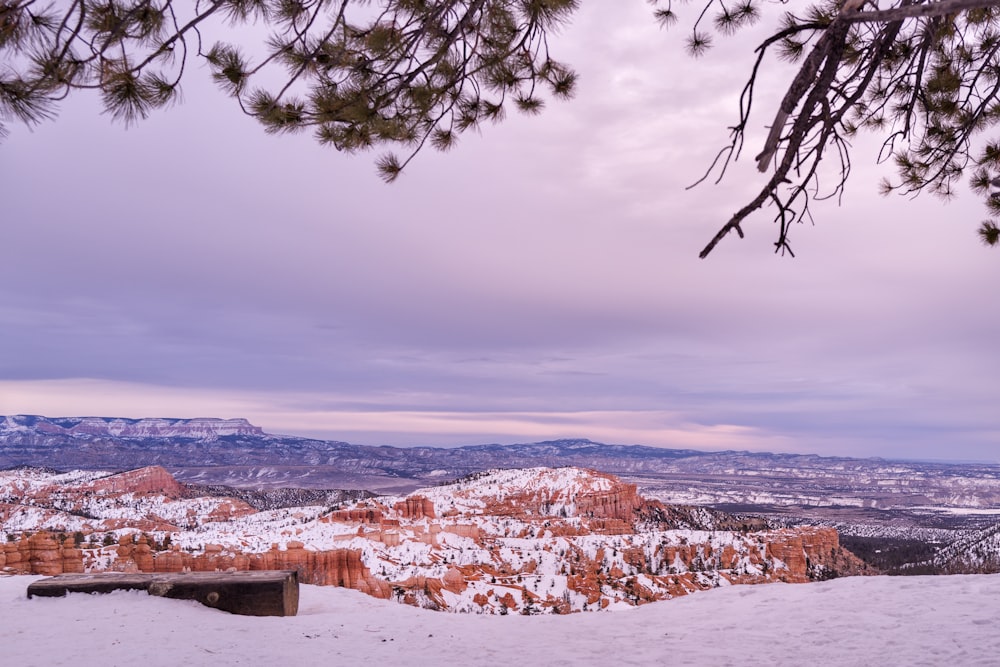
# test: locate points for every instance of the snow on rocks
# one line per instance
(537, 540)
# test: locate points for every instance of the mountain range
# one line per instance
(235, 453)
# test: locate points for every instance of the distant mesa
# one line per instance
(118, 427)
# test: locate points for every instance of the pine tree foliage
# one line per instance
(924, 75)
(357, 73)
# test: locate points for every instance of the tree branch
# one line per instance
(927, 9)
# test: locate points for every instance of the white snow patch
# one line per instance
(903, 621)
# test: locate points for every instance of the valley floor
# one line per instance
(851, 621)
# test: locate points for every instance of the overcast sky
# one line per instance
(539, 281)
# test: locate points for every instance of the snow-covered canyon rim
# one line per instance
(536, 540)
(851, 622)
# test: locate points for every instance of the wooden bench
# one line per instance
(253, 593)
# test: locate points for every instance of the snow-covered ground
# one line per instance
(845, 622)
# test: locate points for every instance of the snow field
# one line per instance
(853, 622)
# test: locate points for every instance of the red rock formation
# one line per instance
(229, 510)
(507, 601)
(44, 554)
(337, 567)
(609, 526)
(621, 502)
(41, 553)
(72, 558)
(152, 479)
(357, 515)
(625, 568)
(61, 505)
(470, 531)
(415, 507)
(807, 552)
(453, 580)
(140, 552)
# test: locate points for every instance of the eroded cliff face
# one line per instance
(523, 541)
(148, 480)
(44, 554)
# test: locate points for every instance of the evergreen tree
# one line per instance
(358, 74)
(924, 75)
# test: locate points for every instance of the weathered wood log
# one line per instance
(255, 593)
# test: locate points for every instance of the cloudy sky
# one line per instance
(541, 280)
